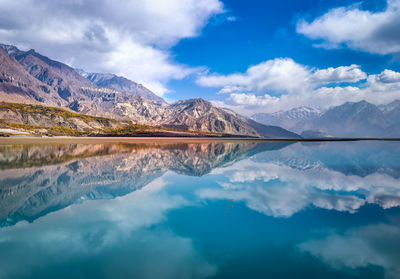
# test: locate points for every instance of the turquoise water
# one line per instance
(212, 210)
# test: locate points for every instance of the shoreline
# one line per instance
(148, 140)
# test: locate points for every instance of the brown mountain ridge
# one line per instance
(29, 77)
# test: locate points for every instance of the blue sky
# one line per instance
(251, 56)
(265, 30)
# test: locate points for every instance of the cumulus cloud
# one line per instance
(280, 74)
(129, 38)
(251, 99)
(374, 32)
(388, 76)
(351, 73)
(230, 89)
(282, 84)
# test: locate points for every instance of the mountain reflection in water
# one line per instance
(60, 175)
(217, 209)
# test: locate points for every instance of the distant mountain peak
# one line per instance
(359, 103)
(350, 119)
(294, 119)
(303, 111)
(10, 49)
(196, 101)
(120, 83)
(45, 59)
(390, 107)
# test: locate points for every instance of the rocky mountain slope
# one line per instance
(37, 120)
(73, 91)
(51, 83)
(119, 83)
(18, 85)
(198, 114)
(48, 120)
(351, 119)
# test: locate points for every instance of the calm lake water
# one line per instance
(212, 210)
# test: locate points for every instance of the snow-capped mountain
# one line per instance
(11, 50)
(296, 119)
(351, 119)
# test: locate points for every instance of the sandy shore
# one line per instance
(158, 140)
(89, 140)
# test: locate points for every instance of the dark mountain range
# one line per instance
(351, 119)
(29, 77)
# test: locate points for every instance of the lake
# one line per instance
(217, 209)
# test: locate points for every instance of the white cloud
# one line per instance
(388, 76)
(351, 73)
(251, 99)
(280, 74)
(129, 38)
(374, 32)
(282, 84)
(230, 89)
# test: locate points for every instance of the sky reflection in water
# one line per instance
(212, 210)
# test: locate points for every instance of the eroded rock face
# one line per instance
(42, 119)
(121, 84)
(17, 85)
(35, 180)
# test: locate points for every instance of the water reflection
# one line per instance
(218, 209)
(103, 239)
(377, 244)
(60, 175)
(282, 183)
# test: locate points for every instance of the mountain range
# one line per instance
(351, 119)
(29, 77)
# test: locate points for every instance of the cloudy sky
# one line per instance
(251, 56)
